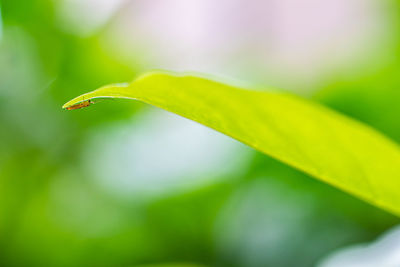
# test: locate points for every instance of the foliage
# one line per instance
(305, 135)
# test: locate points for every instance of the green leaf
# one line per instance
(312, 138)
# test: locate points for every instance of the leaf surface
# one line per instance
(323, 143)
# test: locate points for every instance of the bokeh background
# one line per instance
(125, 184)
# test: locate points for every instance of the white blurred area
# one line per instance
(252, 232)
(384, 252)
(290, 44)
(161, 153)
(85, 17)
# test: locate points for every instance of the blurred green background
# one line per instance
(124, 184)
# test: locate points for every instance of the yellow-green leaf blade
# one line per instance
(319, 141)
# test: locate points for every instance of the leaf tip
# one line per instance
(78, 105)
